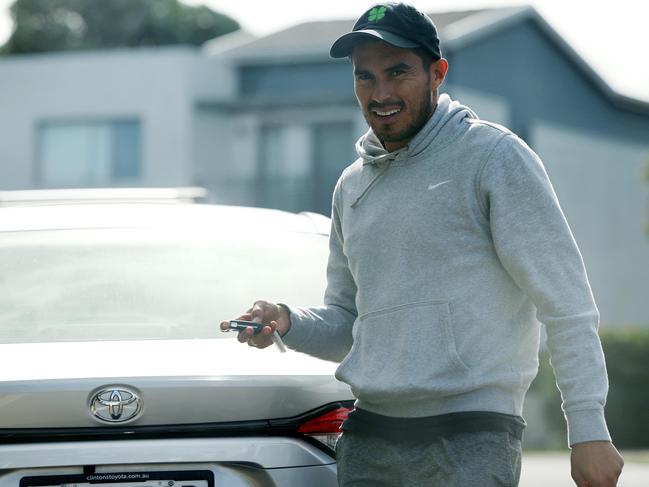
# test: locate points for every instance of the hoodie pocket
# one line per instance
(404, 350)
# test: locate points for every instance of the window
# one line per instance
(146, 283)
(77, 154)
(299, 165)
(333, 151)
(285, 172)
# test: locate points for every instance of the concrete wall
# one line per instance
(493, 108)
(599, 182)
(154, 86)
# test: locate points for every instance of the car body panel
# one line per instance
(179, 381)
(73, 365)
(266, 452)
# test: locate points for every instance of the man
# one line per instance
(447, 245)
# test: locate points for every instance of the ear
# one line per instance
(437, 73)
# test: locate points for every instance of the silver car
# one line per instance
(113, 370)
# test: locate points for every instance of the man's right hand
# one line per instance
(273, 316)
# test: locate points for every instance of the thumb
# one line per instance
(257, 312)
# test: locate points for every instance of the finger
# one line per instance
(273, 325)
(250, 330)
(257, 311)
(579, 480)
(269, 329)
(252, 342)
(246, 334)
(599, 481)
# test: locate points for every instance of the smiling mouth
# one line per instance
(386, 109)
(386, 113)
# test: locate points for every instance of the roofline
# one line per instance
(291, 54)
(280, 56)
(248, 104)
(93, 53)
(478, 26)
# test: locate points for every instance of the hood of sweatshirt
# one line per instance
(443, 127)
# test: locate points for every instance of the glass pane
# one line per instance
(333, 150)
(125, 145)
(88, 154)
(285, 180)
(74, 154)
(119, 284)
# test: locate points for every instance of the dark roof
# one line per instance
(311, 41)
(317, 36)
(473, 29)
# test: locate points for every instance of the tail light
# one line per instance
(325, 428)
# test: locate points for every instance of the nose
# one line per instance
(382, 91)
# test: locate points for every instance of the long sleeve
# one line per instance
(536, 247)
(326, 331)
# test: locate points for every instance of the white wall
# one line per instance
(491, 108)
(156, 86)
(599, 182)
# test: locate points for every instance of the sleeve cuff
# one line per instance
(587, 425)
(300, 330)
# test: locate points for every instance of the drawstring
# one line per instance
(371, 184)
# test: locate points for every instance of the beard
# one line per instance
(421, 115)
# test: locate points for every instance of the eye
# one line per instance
(396, 72)
(363, 77)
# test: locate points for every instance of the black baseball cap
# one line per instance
(398, 24)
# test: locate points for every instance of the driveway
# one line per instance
(553, 470)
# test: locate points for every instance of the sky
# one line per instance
(611, 35)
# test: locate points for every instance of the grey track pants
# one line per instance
(485, 459)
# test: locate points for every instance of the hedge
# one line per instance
(627, 407)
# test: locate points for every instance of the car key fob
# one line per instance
(240, 325)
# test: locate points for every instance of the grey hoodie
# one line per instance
(444, 258)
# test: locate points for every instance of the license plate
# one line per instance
(187, 478)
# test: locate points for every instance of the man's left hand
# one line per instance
(595, 464)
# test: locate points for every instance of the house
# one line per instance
(296, 107)
(108, 118)
(272, 121)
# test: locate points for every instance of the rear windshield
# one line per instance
(125, 284)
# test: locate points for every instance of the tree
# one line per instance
(63, 25)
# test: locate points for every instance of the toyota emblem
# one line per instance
(115, 404)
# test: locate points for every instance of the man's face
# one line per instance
(397, 95)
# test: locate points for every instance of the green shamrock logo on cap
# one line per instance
(377, 13)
